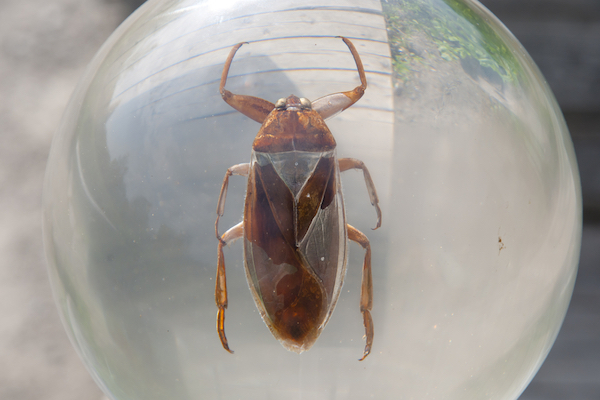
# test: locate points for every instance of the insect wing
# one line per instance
(295, 244)
(323, 246)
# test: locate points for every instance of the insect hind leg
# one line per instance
(366, 292)
(231, 235)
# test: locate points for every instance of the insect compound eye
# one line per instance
(280, 105)
(305, 103)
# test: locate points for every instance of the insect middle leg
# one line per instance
(352, 163)
(232, 234)
(240, 169)
(366, 291)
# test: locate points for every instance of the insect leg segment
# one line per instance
(366, 291)
(252, 107)
(221, 286)
(352, 163)
(240, 169)
(332, 104)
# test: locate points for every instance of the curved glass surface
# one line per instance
(474, 264)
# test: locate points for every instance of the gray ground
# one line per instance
(44, 46)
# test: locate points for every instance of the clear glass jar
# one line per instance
(474, 264)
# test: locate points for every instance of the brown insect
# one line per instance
(294, 228)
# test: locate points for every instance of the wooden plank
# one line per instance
(563, 38)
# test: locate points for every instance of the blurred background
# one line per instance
(44, 47)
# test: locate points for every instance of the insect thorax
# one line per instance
(293, 167)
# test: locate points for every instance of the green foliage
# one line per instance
(452, 28)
